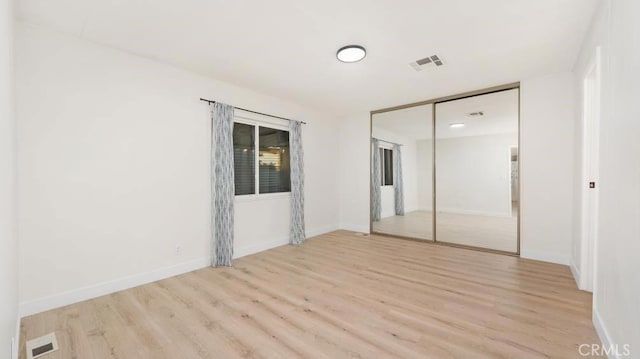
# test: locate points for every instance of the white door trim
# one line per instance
(591, 89)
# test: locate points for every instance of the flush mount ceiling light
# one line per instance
(351, 53)
(457, 125)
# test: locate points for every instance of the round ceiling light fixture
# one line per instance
(457, 125)
(351, 53)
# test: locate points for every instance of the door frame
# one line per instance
(591, 100)
(434, 102)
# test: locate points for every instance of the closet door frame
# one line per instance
(433, 102)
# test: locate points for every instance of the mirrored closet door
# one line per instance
(459, 154)
(476, 188)
(402, 165)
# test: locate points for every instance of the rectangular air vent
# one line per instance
(41, 346)
(427, 62)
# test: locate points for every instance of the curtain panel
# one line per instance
(376, 200)
(296, 229)
(222, 184)
(398, 185)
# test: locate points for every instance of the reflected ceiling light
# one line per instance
(351, 53)
(457, 125)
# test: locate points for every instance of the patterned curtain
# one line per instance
(222, 184)
(376, 201)
(398, 185)
(296, 230)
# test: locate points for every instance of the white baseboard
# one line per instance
(603, 333)
(318, 232)
(546, 257)
(354, 228)
(96, 290)
(576, 273)
(16, 341)
(408, 209)
(475, 213)
(387, 214)
(246, 251)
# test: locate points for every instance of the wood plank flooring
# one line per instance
(492, 232)
(340, 295)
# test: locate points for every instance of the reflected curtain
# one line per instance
(376, 201)
(296, 229)
(398, 185)
(222, 184)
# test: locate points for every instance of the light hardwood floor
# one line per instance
(339, 295)
(415, 224)
(492, 232)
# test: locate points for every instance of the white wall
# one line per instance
(353, 170)
(546, 152)
(114, 170)
(547, 121)
(473, 174)
(8, 228)
(424, 158)
(387, 202)
(616, 293)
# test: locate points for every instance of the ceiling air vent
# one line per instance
(41, 346)
(427, 62)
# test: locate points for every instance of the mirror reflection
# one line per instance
(476, 148)
(402, 177)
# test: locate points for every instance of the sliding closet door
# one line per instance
(476, 158)
(402, 172)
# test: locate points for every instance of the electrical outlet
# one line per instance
(178, 250)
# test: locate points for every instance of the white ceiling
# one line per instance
(286, 48)
(500, 116)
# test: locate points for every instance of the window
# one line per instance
(266, 170)
(275, 173)
(244, 158)
(386, 166)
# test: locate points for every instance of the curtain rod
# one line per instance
(393, 143)
(259, 113)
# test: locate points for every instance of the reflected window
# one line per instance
(386, 166)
